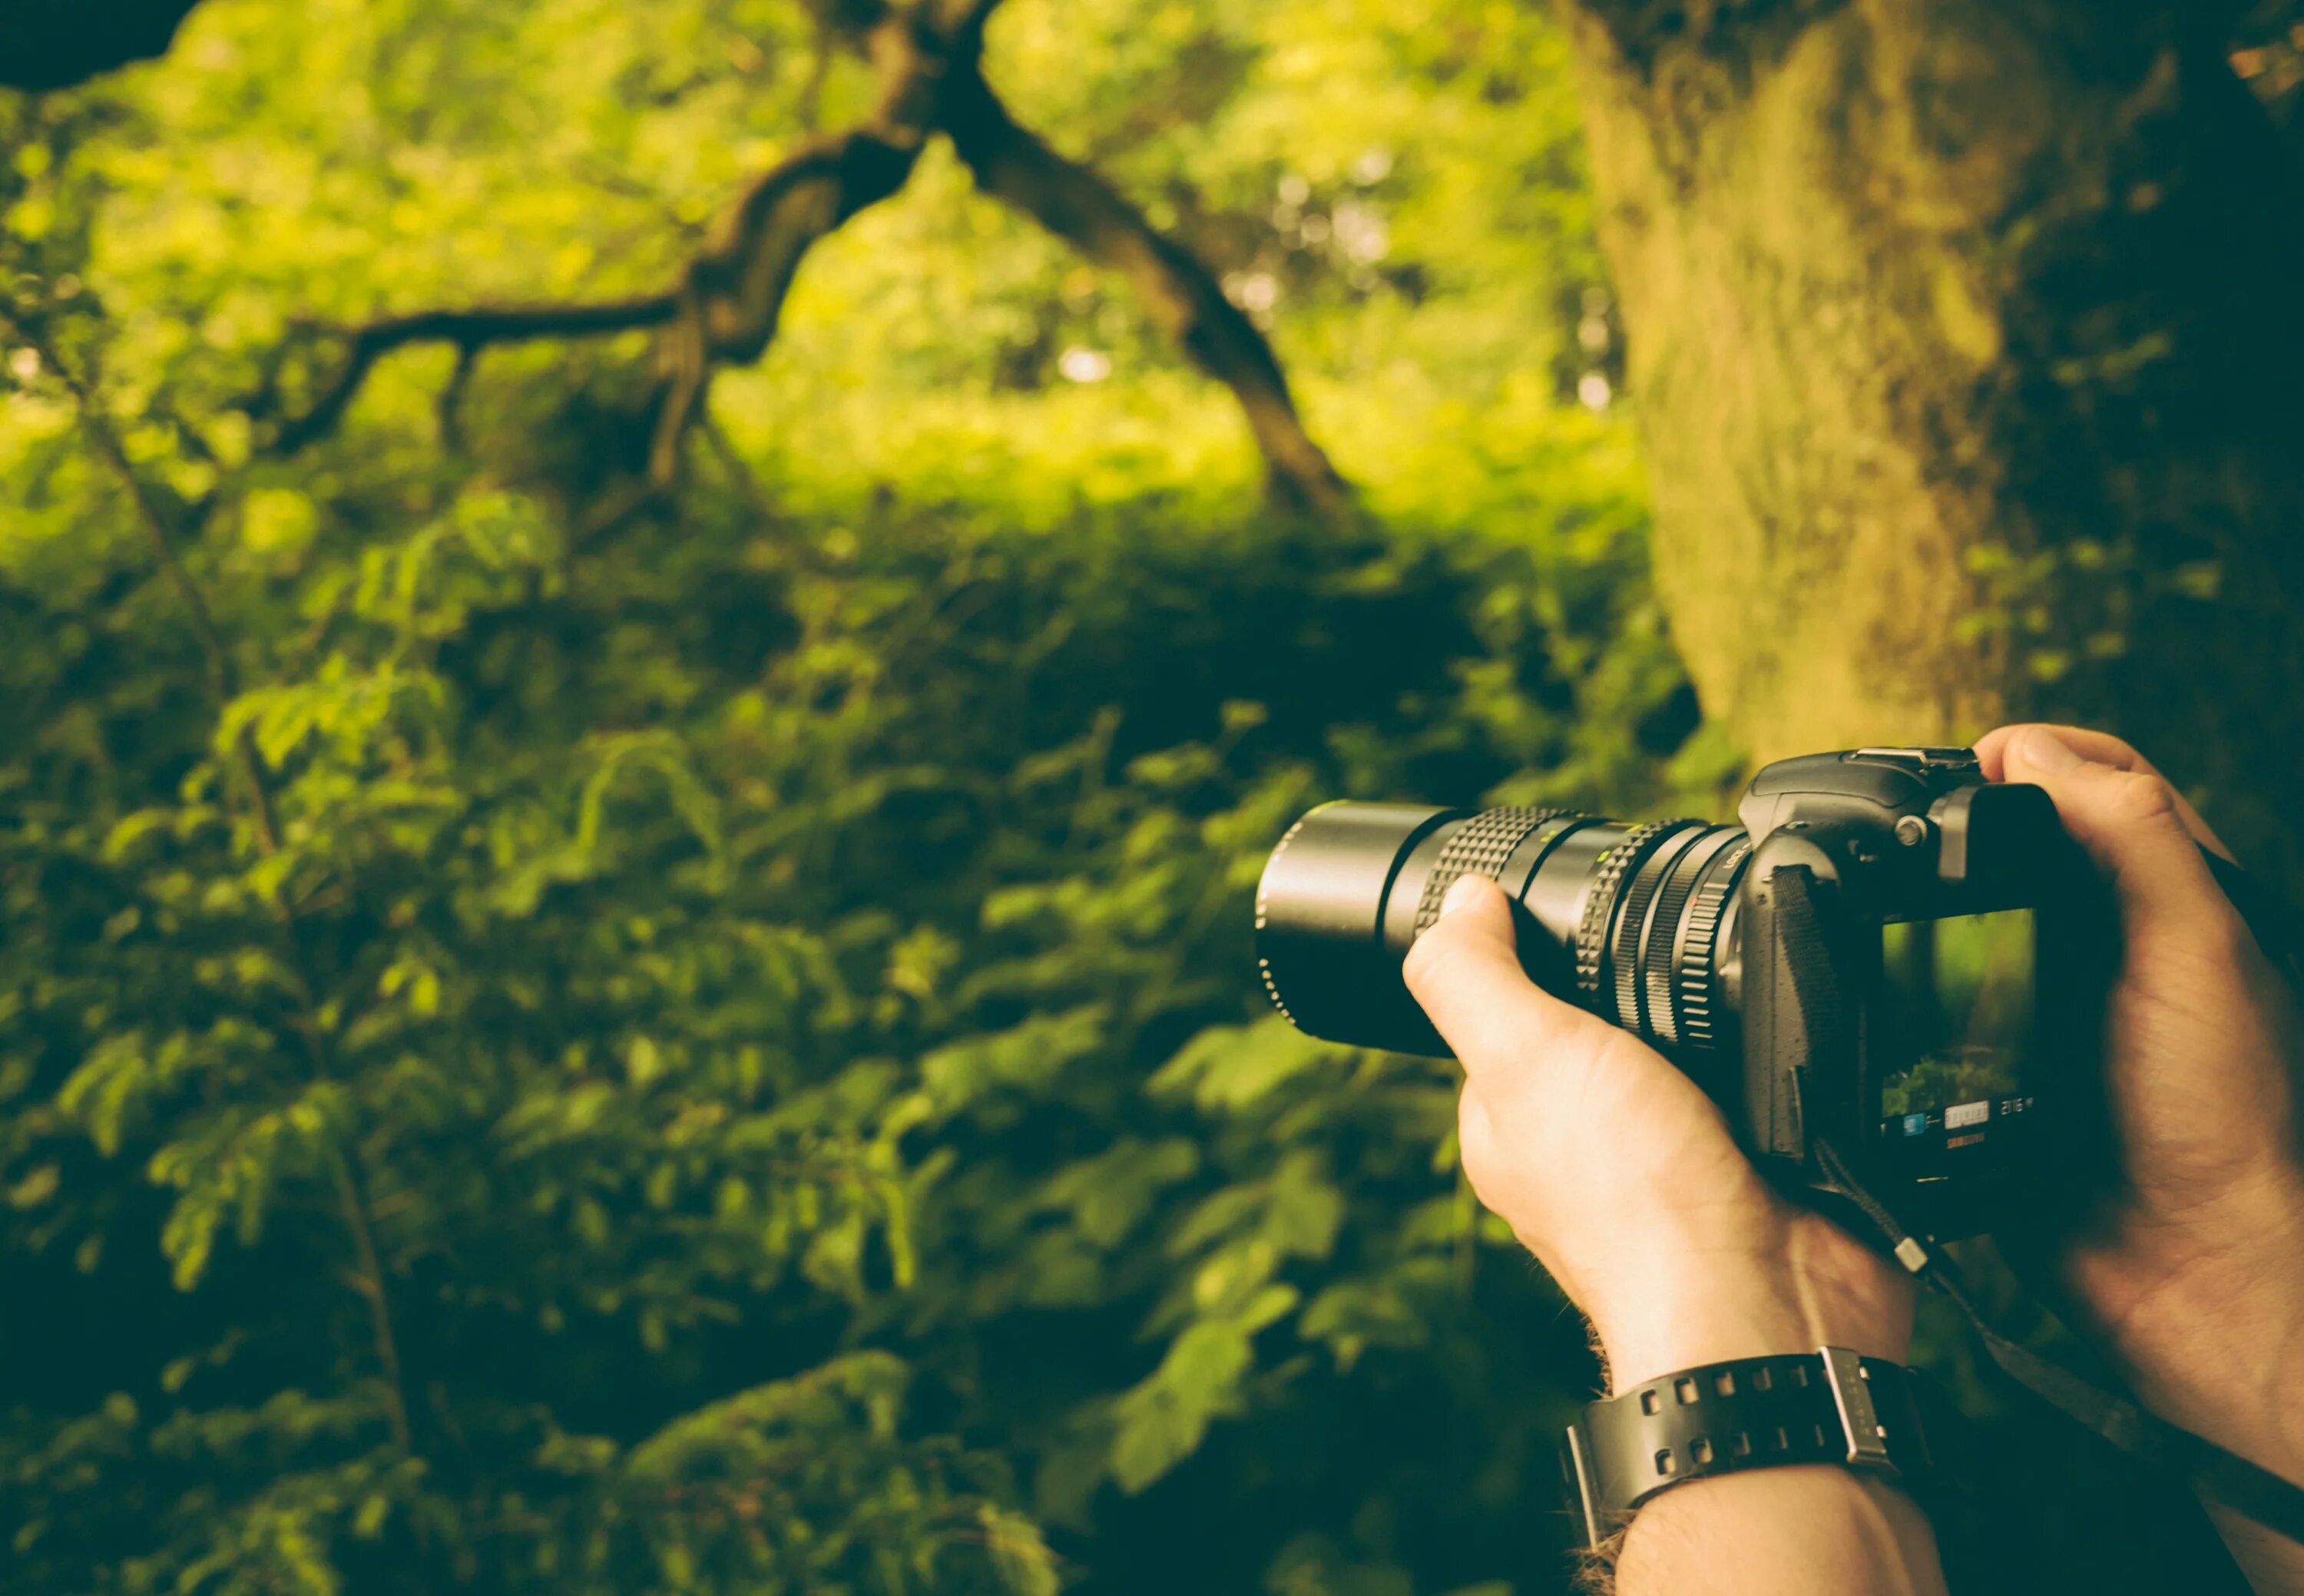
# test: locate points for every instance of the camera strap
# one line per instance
(2226, 1477)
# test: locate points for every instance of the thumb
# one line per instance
(1466, 971)
(2132, 824)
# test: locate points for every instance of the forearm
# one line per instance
(2264, 1430)
(2274, 1565)
(2217, 1348)
(2262, 1425)
(1815, 1531)
(2256, 1416)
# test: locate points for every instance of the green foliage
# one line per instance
(707, 1047)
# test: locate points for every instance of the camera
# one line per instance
(1885, 965)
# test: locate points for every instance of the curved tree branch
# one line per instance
(1182, 294)
(469, 328)
(730, 297)
(731, 294)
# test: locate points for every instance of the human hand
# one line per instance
(2192, 1274)
(1621, 1176)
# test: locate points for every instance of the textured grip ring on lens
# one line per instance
(1478, 847)
(1600, 900)
(1698, 1025)
(1640, 893)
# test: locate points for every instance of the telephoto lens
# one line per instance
(1635, 921)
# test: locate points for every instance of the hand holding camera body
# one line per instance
(1921, 994)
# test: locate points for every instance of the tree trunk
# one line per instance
(1967, 345)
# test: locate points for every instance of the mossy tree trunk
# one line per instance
(1968, 342)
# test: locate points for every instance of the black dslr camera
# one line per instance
(1885, 965)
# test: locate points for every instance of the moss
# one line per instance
(1889, 302)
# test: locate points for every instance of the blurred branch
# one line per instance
(468, 329)
(451, 398)
(1071, 201)
(1179, 292)
(730, 295)
(344, 1169)
(725, 307)
(97, 425)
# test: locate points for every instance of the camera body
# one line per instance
(1921, 1023)
(1889, 956)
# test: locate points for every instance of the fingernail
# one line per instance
(1460, 892)
(2044, 750)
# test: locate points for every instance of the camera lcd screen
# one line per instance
(1955, 1024)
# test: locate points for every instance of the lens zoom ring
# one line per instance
(1640, 892)
(1478, 847)
(1698, 1023)
(1600, 899)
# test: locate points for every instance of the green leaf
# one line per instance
(1162, 1420)
(1019, 1555)
(1229, 1067)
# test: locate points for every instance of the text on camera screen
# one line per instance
(1955, 1025)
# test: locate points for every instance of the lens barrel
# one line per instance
(1634, 922)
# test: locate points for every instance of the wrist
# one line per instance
(1820, 1290)
(1712, 1327)
(2211, 1340)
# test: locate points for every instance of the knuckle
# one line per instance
(2140, 798)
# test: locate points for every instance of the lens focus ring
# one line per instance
(1600, 902)
(1478, 847)
(1698, 1023)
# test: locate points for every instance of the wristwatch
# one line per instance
(1828, 1405)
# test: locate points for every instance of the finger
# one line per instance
(2131, 822)
(2101, 748)
(1466, 972)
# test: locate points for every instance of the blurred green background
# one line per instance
(624, 960)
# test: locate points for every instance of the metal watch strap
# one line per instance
(1828, 1405)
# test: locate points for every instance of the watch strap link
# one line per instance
(1824, 1406)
